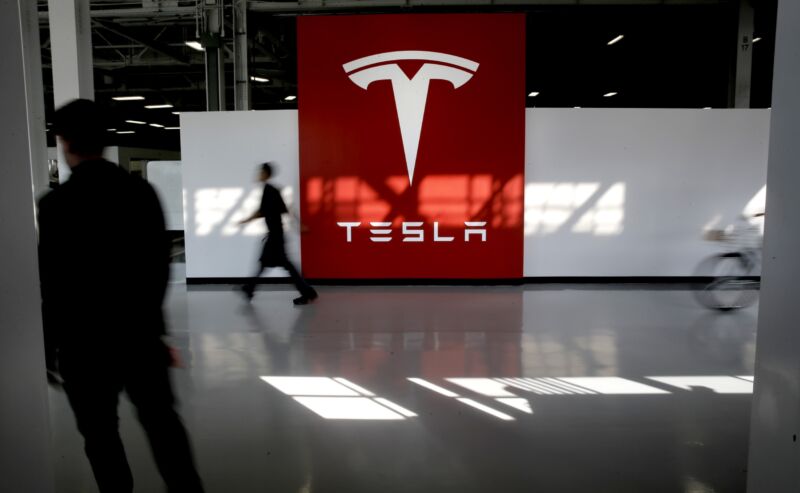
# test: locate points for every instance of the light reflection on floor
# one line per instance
(334, 400)
(451, 389)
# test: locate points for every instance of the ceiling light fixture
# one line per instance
(195, 45)
(756, 40)
(157, 125)
(610, 94)
(157, 106)
(533, 94)
(172, 128)
(616, 40)
(111, 130)
(258, 79)
(136, 122)
(126, 132)
(176, 112)
(128, 98)
(290, 98)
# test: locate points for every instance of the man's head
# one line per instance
(264, 172)
(81, 129)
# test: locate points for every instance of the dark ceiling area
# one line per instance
(670, 56)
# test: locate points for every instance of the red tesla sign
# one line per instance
(412, 145)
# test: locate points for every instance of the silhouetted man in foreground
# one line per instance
(104, 260)
(273, 254)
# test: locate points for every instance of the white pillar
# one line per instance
(25, 446)
(34, 95)
(774, 463)
(71, 46)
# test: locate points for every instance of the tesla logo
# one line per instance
(413, 232)
(410, 95)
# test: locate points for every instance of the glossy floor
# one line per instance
(451, 389)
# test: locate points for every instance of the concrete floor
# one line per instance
(594, 413)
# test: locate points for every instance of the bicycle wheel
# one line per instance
(733, 286)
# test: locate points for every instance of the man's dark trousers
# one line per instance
(93, 391)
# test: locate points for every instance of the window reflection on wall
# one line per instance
(447, 199)
(217, 211)
(586, 208)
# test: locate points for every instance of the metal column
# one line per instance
(215, 56)
(241, 88)
(744, 56)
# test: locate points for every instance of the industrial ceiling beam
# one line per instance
(333, 5)
(310, 5)
(148, 90)
(136, 38)
(169, 62)
(137, 12)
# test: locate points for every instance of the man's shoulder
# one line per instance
(272, 193)
(49, 199)
(139, 182)
(123, 178)
(59, 195)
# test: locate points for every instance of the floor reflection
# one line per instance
(452, 389)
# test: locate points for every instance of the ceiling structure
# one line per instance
(674, 53)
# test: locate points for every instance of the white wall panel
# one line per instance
(166, 179)
(219, 153)
(609, 192)
(628, 192)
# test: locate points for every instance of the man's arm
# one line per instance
(252, 217)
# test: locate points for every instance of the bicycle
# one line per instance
(735, 275)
